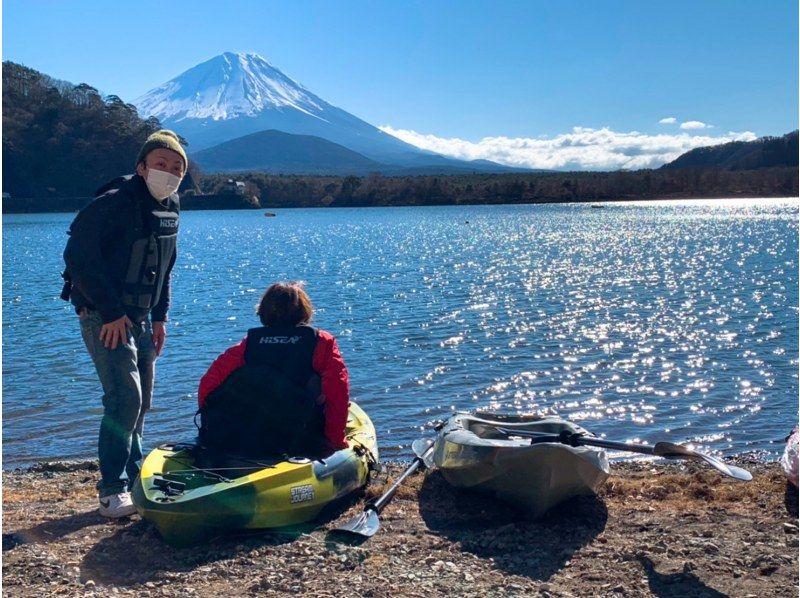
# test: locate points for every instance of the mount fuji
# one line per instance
(237, 94)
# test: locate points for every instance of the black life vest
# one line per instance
(153, 239)
(268, 406)
(151, 254)
(290, 349)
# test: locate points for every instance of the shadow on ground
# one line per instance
(491, 529)
(136, 554)
(790, 499)
(52, 530)
(676, 585)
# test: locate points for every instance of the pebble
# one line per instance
(768, 570)
(511, 527)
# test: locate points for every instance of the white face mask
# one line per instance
(161, 184)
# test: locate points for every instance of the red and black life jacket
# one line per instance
(269, 406)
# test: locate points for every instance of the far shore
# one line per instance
(214, 202)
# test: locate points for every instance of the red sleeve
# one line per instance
(223, 366)
(328, 363)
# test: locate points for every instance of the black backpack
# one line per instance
(260, 411)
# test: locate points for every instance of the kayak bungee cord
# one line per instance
(191, 467)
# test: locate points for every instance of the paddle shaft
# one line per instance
(578, 439)
(646, 449)
(662, 449)
(384, 499)
(367, 523)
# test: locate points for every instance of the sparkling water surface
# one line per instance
(642, 321)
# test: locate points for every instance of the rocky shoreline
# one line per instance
(655, 530)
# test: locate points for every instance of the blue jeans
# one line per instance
(126, 374)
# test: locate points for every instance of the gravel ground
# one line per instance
(655, 530)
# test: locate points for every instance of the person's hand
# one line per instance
(115, 332)
(159, 336)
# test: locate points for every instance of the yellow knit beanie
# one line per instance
(165, 139)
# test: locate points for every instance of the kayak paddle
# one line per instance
(668, 450)
(367, 523)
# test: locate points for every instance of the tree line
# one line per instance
(322, 191)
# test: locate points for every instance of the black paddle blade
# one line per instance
(365, 524)
(422, 449)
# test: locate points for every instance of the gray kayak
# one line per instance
(472, 452)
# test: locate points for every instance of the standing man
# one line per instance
(119, 259)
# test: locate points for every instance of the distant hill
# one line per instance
(283, 153)
(64, 140)
(766, 152)
(277, 152)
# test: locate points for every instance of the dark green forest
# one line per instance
(318, 191)
(766, 152)
(62, 141)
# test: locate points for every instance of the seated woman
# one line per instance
(282, 390)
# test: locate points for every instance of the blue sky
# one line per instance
(456, 70)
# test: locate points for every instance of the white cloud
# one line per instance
(695, 124)
(670, 120)
(582, 149)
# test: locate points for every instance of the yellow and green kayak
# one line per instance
(191, 493)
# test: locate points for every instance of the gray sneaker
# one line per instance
(117, 505)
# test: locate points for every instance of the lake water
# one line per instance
(646, 321)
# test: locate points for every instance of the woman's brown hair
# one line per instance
(285, 304)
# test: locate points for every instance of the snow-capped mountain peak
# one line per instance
(228, 86)
(237, 94)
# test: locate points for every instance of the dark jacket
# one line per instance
(99, 249)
